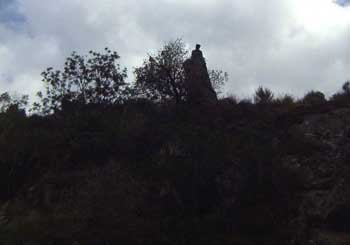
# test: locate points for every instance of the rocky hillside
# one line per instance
(146, 173)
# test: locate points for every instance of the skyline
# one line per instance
(289, 46)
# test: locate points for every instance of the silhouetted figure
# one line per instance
(197, 53)
(198, 85)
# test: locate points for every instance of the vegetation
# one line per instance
(103, 161)
(263, 96)
(343, 96)
(11, 102)
(96, 79)
(314, 98)
(162, 76)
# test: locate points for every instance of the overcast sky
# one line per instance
(290, 46)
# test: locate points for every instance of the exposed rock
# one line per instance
(323, 171)
(199, 87)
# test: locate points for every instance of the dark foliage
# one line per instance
(342, 97)
(162, 76)
(286, 100)
(168, 175)
(314, 98)
(10, 102)
(263, 96)
(95, 79)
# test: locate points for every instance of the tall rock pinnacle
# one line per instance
(199, 88)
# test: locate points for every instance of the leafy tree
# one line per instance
(346, 88)
(263, 95)
(12, 102)
(95, 78)
(162, 77)
(314, 98)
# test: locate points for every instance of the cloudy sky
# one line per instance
(290, 46)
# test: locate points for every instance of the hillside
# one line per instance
(150, 173)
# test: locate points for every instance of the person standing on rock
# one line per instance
(197, 53)
(199, 88)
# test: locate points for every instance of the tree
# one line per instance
(314, 98)
(162, 77)
(95, 78)
(263, 96)
(12, 102)
(344, 95)
(286, 100)
(218, 79)
(346, 88)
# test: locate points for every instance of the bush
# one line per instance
(230, 100)
(263, 96)
(314, 98)
(286, 100)
(344, 95)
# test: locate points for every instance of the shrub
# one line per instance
(285, 100)
(263, 96)
(314, 98)
(344, 95)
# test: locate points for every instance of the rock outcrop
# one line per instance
(324, 174)
(199, 88)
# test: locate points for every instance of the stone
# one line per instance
(199, 88)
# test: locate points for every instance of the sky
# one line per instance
(289, 46)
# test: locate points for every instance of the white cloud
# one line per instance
(289, 46)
